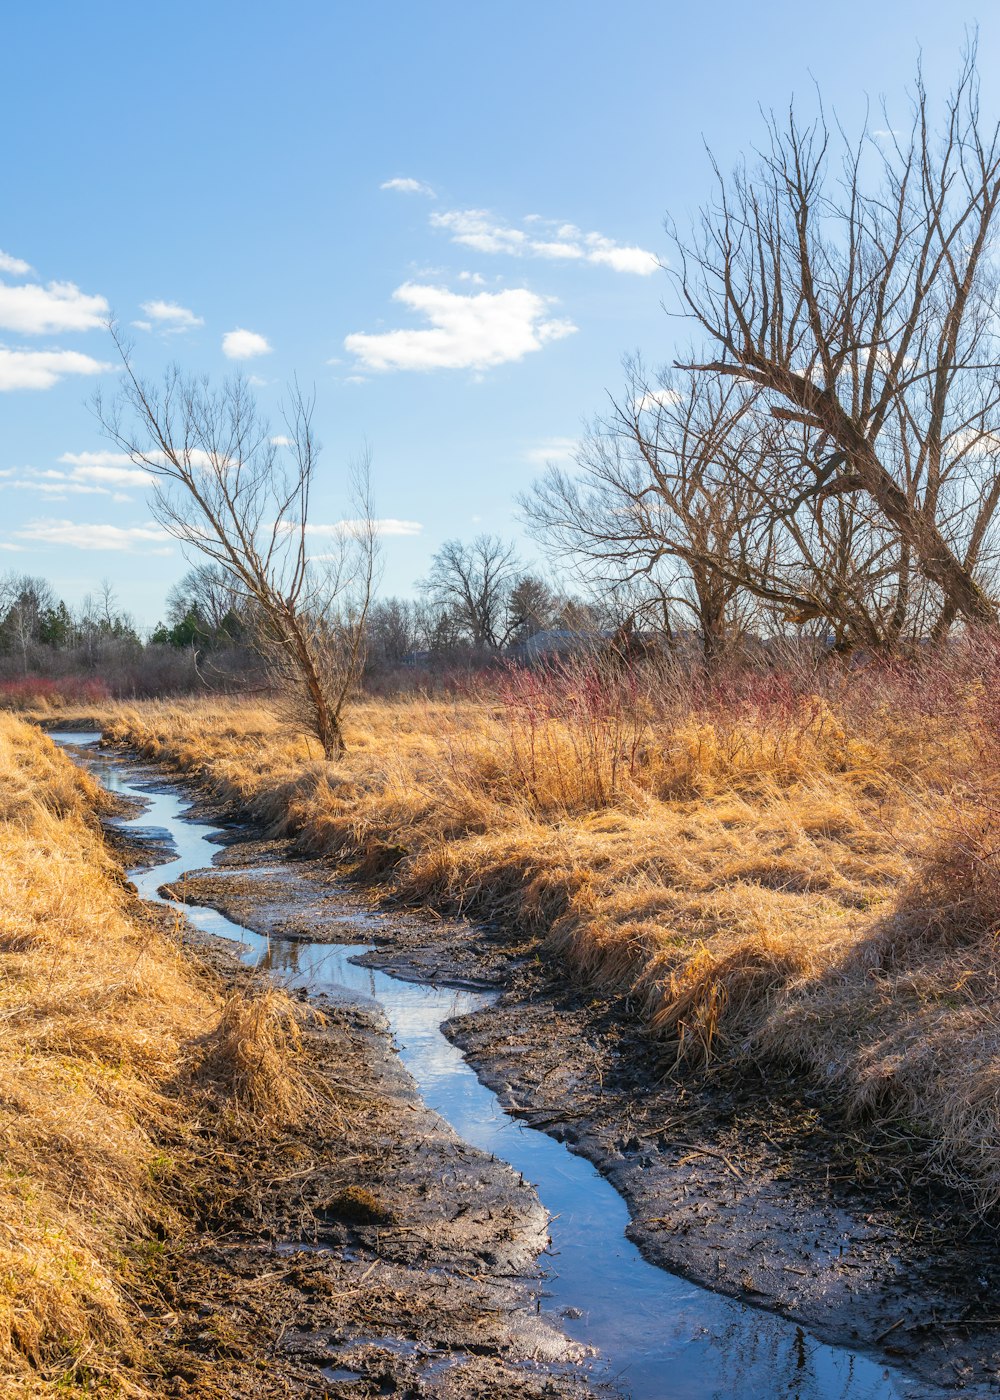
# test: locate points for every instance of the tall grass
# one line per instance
(793, 866)
(112, 1046)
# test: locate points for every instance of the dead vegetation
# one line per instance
(115, 1053)
(794, 868)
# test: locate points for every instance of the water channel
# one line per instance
(659, 1336)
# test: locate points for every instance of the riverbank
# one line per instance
(210, 1190)
(784, 876)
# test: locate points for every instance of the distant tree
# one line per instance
(210, 591)
(532, 607)
(55, 628)
(471, 585)
(396, 627)
(25, 601)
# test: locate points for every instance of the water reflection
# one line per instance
(659, 1336)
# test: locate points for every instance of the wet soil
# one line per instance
(366, 1252)
(752, 1187)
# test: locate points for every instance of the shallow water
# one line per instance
(659, 1336)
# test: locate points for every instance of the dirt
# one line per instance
(755, 1189)
(367, 1252)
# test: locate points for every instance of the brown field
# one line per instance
(114, 1049)
(796, 870)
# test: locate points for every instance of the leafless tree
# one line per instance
(228, 491)
(657, 514)
(852, 286)
(472, 583)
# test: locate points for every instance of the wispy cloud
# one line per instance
(41, 369)
(654, 399)
(81, 474)
(15, 267)
(405, 184)
(109, 468)
(479, 229)
(70, 534)
(32, 309)
(241, 344)
(169, 317)
(465, 332)
(553, 449)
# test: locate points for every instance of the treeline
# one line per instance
(97, 649)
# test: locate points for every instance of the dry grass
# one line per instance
(112, 1048)
(800, 871)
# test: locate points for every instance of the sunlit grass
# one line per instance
(772, 869)
(111, 1045)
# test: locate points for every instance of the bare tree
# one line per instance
(473, 584)
(863, 312)
(660, 511)
(226, 489)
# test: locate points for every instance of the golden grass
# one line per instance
(811, 884)
(111, 1046)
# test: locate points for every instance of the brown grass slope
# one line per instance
(802, 870)
(113, 1047)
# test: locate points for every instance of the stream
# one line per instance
(659, 1336)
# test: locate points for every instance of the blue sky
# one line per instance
(444, 215)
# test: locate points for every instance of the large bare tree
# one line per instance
(853, 287)
(239, 496)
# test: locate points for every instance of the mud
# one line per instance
(367, 1252)
(752, 1188)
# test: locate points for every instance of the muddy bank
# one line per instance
(368, 1251)
(750, 1188)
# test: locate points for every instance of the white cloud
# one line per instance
(244, 345)
(17, 267)
(70, 534)
(169, 316)
(89, 474)
(466, 332)
(54, 485)
(108, 468)
(554, 449)
(655, 398)
(40, 369)
(407, 185)
(61, 306)
(280, 440)
(479, 229)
